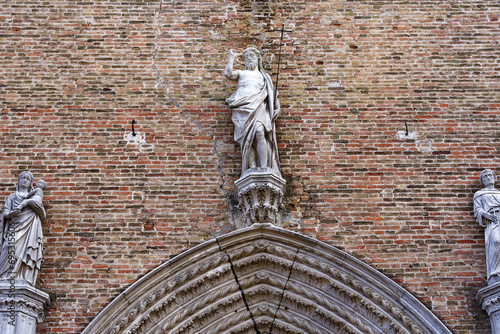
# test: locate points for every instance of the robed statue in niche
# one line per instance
(21, 231)
(254, 111)
(487, 213)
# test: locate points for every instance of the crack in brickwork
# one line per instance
(219, 165)
(163, 82)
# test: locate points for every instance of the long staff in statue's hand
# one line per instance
(275, 115)
(279, 62)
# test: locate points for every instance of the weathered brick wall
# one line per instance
(74, 74)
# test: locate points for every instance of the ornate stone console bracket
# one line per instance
(260, 194)
(22, 307)
(489, 298)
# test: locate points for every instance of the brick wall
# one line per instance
(74, 74)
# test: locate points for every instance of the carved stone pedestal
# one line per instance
(489, 297)
(260, 195)
(22, 307)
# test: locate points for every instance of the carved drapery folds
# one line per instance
(318, 288)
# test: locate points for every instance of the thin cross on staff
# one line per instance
(279, 58)
(275, 148)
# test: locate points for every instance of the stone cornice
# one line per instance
(25, 299)
(489, 298)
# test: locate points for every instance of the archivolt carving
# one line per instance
(319, 289)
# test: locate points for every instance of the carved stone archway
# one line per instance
(263, 279)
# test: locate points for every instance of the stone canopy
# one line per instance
(264, 279)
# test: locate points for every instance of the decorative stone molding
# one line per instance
(22, 307)
(489, 298)
(260, 194)
(291, 282)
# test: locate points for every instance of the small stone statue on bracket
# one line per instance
(21, 235)
(255, 109)
(487, 213)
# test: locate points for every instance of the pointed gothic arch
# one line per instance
(316, 288)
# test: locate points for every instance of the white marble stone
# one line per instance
(407, 136)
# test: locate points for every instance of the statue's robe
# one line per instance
(22, 239)
(253, 104)
(488, 201)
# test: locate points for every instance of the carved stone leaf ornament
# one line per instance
(260, 196)
(292, 283)
(22, 307)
